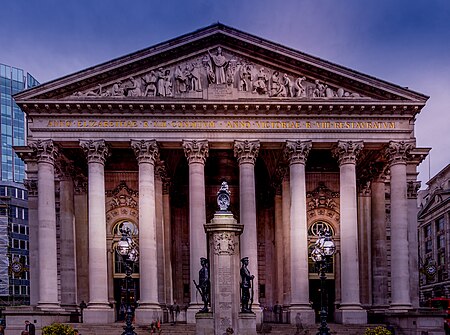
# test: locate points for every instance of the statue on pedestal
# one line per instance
(246, 285)
(204, 284)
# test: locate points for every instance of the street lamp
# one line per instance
(322, 253)
(128, 249)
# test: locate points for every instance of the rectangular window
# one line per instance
(427, 230)
(440, 224)
(428, 246)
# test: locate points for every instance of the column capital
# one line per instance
(65, 169)
(32, 187)
(95, 151)
(296, 152)
(397, 152)
(412, 189)
(46, 151)
(145, 151)
(196, 151)
(80, 184)
(346, 152)
(246, 151)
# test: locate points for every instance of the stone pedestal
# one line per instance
(204, 324)
(351, 316)
(247, 324)
(223, 236)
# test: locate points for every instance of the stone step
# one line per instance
(189, 329)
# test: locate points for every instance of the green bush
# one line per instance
(58, 329)
(380, 330)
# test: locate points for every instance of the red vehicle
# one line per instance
(442, 304)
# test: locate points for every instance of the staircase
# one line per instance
(185, 329)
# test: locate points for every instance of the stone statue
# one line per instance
(150, 80)
(204, 284)
(223, 197)
(246, 285)
(260, 84)
(299, 90)
(219, 62)
(193, 75)
(319, 91)
(180, 80)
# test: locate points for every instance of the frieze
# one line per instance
(348, 124)
(217, 74)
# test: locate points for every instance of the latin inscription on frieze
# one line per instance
(219, 124)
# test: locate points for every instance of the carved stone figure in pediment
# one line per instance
(219, 63)
(150, 80)
(133, 88)
(260, 84)
(298, 89)
(164, 83)
(245, 77)
(319, 90)
(195, 78)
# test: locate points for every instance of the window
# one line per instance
(428, 246)
(440, 224)
(427, 230)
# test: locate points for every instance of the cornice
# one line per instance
(322, 107)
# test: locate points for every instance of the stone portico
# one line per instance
(147, 139)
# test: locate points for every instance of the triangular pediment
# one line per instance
(438, 198)
(218, 63)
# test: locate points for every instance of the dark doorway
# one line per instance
(120, 296)
(314, 296)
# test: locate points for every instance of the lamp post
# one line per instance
(127, 248)
(322, 253)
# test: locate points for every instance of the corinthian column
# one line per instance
(147, 153)
(350, 310)
(297, 152)
(246, 153)
(196, 153)
(397, 153)
(98, 310)
(47, 152)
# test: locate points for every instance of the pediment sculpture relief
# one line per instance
(217, 75)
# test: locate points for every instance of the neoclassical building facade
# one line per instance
(145, 141)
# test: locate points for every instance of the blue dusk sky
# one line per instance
(404, 42)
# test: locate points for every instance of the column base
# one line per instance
(191, 312)
(351, 316)
(301, 315)
(400, 308)
(246, 324)
(49, 307)
(148, 313)
(204, 324)
(95, 315)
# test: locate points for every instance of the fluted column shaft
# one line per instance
(397, 153)
(196, 153)
(246, 153)
(48, 277)
(97, 153)
(297, 153)
(147, 153)
(346, 152)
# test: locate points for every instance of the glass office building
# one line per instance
(14, 246)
